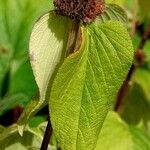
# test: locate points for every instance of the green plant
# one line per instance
(82, 59)
(75, 62)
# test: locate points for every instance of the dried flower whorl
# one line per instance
(85, 10)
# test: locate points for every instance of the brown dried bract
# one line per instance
(85, 10)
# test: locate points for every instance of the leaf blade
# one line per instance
(82, 92)
(47, 50)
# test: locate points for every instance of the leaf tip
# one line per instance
(20, 129)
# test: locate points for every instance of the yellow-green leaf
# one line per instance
(87, 83)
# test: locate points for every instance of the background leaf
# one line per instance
(137, 100)
(16, 21)
(145, 7)
(31, 140)
(117, 135)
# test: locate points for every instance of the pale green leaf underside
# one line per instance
(117, 135)
(87, 83)
(47, 45)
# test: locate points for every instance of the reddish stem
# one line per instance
(16, 112)
(123, 89)
(47, 136)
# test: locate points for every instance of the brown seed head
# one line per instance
(85, 10)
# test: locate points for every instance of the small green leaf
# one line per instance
(142, 77)
(16, 146)
(87, 83)
(118, 2)
(35, 121)
(47, 49)
(113, 12)
(117, 135)
(136, 106)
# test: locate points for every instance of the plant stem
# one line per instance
(121, 94)
(16, 112)
(47, 136)
(144, 38)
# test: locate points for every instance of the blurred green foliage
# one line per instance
(17, 83)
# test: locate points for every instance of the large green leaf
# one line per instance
(87, 83)
(47, 50)
(45, 58)
(16, 21)
(117, 135)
